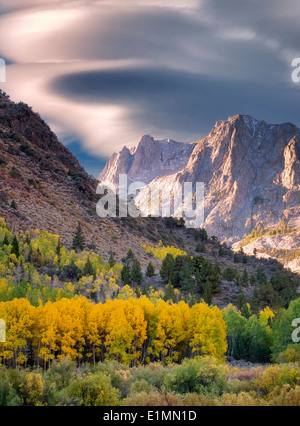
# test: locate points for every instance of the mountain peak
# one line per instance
(249, 167)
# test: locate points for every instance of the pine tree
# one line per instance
(111, 260)
(169, 293)
(13, 205)
(245, 278)
(145, 290)
(136, 273)
(221, 251)
(5, 242)
(239, 281)
(15, 247)
(203, 234)
(137, 291)
(255, 302)
(125, 275)
(261, 276)
(241, 299)
(130, 255)
(88, 269)
(150, 272)
(78, 241)
(59, 247)
(183, 274)
(245, 312)
(200, 248)
(209, 272)
(167, 267)
(207, 294)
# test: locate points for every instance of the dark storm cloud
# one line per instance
(184, 103)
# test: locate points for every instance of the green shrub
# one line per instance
(94, 390)
(204, 375)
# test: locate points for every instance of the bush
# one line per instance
(285, 397)
(61, 373)
(31, 388)
(141, 386)
(119, 374)
(278, 376)
(8, 395)
(94, 390)
(291, 354)
(154, 374)
(154, 399)
(196, 400)
(244, 399)
(205, 375)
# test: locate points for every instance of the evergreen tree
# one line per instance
(167, 268)
(239, 281)
(136, 273)
(229, 274)
(13, 205)
(245, 312)
(125, 275)
(137, 291)
(169, 293)
(27, 240)
(255, 302)
(145, 290)
(221, 251)
(267, 295)
(88, 269)
(207, 294)
(182, 274)
(5, 242)
(130, 255)
(203, 234)
(261, 277)
(79, 240)
(15, 247)
(207, 271)
(150, 272)
(59, 247)
(241, 299)
(218, 270)
(111, 260)
(200, 248)
(245, 278)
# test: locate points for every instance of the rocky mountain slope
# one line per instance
(43, 186)
(250, 169)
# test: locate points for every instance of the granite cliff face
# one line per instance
(251, 172)
(150, 160)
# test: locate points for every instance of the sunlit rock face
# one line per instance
(150, 160)
(250, 169)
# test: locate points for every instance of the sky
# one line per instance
(103, 73)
